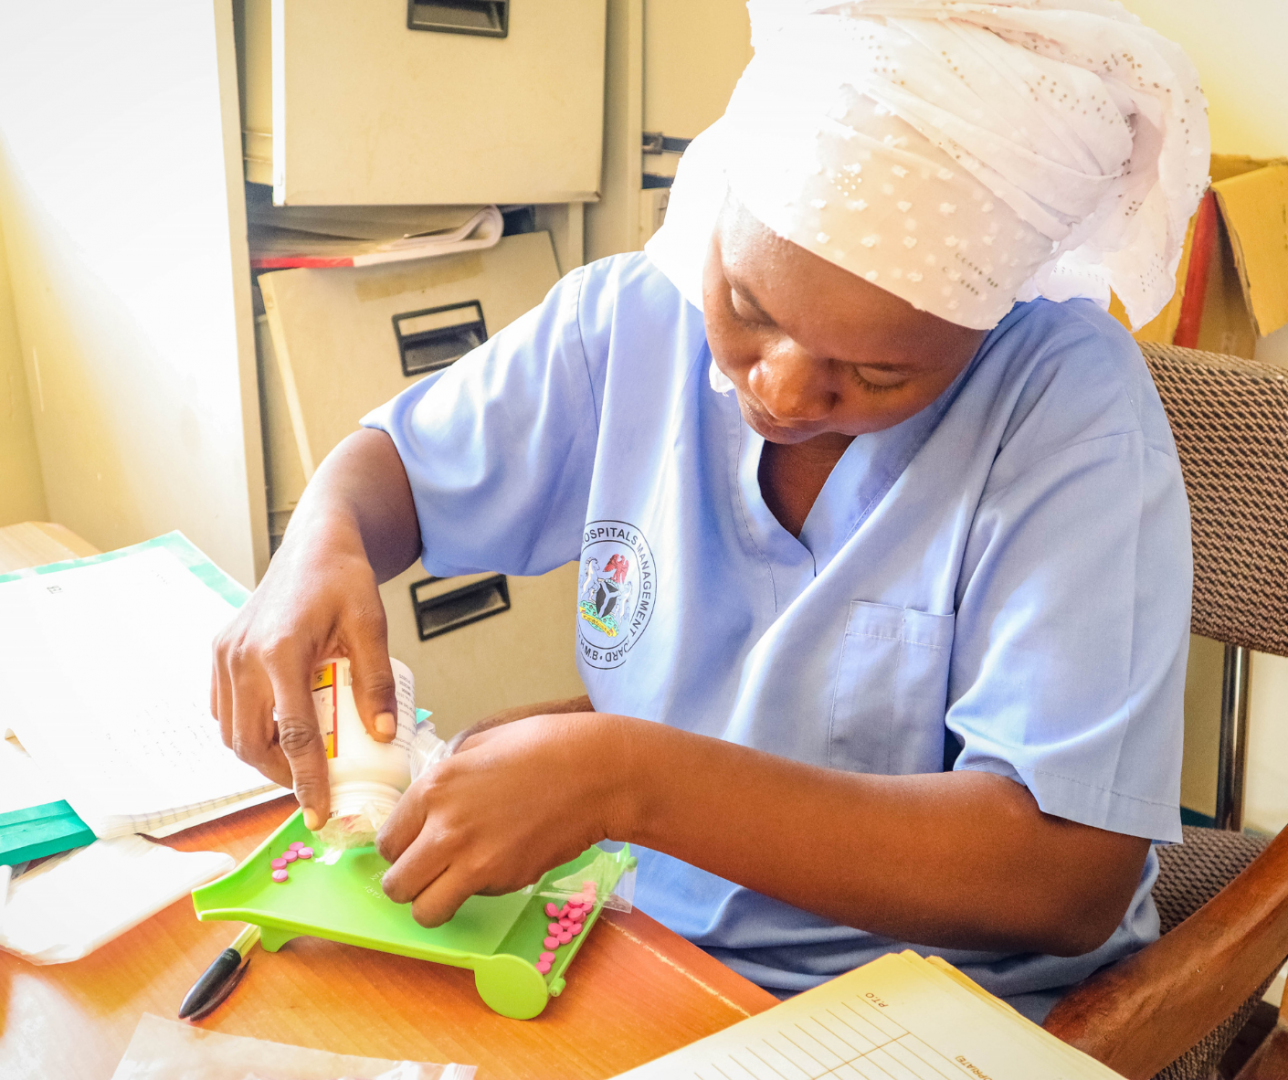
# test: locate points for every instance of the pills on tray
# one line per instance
(296, 851)
(567, 921)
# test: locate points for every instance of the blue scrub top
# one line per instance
(1007, 572)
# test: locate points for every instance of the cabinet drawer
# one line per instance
(348, 340)
(343, 103)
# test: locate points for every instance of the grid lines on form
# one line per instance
(852, 1040)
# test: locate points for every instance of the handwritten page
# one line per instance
(897, 1018)
(105, 679)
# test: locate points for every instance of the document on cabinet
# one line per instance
(901, 1017)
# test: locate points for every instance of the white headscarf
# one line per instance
(959, 155)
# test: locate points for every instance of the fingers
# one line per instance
(373, 679)
(254, 736)
(241, 701)
(440, 901)
(300, 741)
(399, 832)
(221, 697)
(415, 868)
(434, 883)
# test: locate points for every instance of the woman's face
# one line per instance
(810, 348)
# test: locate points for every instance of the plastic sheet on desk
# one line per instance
(165, 1050)
(68, 906)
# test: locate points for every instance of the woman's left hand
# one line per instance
(508, 805)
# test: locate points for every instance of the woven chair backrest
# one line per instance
(1230, 421)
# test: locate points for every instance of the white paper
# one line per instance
(22, 782)
(69, 906)
(105, 678)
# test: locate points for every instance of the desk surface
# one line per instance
(636, 990)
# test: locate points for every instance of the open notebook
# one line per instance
(901, 1017)
(105, 680)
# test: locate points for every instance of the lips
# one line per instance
(773, 430)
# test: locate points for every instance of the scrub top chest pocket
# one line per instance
(891, 691)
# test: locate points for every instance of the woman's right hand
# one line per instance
(320, 599)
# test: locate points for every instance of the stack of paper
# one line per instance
(67, 906)
(900, 1016)
(326, 236)
(105, 680)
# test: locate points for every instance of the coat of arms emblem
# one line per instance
(615, 592)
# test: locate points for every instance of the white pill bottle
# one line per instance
(367, 777)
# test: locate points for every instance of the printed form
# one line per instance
(901, 1017)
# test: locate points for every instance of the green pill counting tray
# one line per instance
(498, 937)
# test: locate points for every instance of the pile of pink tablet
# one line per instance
(297, 850)
(569, 920)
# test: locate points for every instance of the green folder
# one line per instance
(42, 830)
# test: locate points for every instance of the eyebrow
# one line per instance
(750, 297)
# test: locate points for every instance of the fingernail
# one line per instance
(386, 724)
(311, 821)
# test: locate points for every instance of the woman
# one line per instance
(909, 559)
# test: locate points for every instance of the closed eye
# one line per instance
(748, 312)
(873, 387)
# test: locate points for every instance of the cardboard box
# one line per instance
(1232, 283)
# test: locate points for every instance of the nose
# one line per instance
(792, 386)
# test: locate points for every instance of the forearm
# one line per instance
(961, 860)
(557, 707)
(360, 496)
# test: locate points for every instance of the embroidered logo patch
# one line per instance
(616, 591)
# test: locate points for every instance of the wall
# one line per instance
(1237, 47)
(22, 491)
(124, 217)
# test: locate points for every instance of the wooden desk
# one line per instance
(636, 990)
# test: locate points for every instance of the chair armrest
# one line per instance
(1141, 1014)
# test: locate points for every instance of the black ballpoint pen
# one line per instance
(220, 977)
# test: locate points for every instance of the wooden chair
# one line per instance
(1173, 1009)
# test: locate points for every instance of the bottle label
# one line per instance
(325, 683)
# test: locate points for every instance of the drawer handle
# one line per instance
(441, 612)
(433, 338)
(486, 18)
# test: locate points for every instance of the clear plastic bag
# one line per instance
(426, 747)
(600, 880)
(165, 1050)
